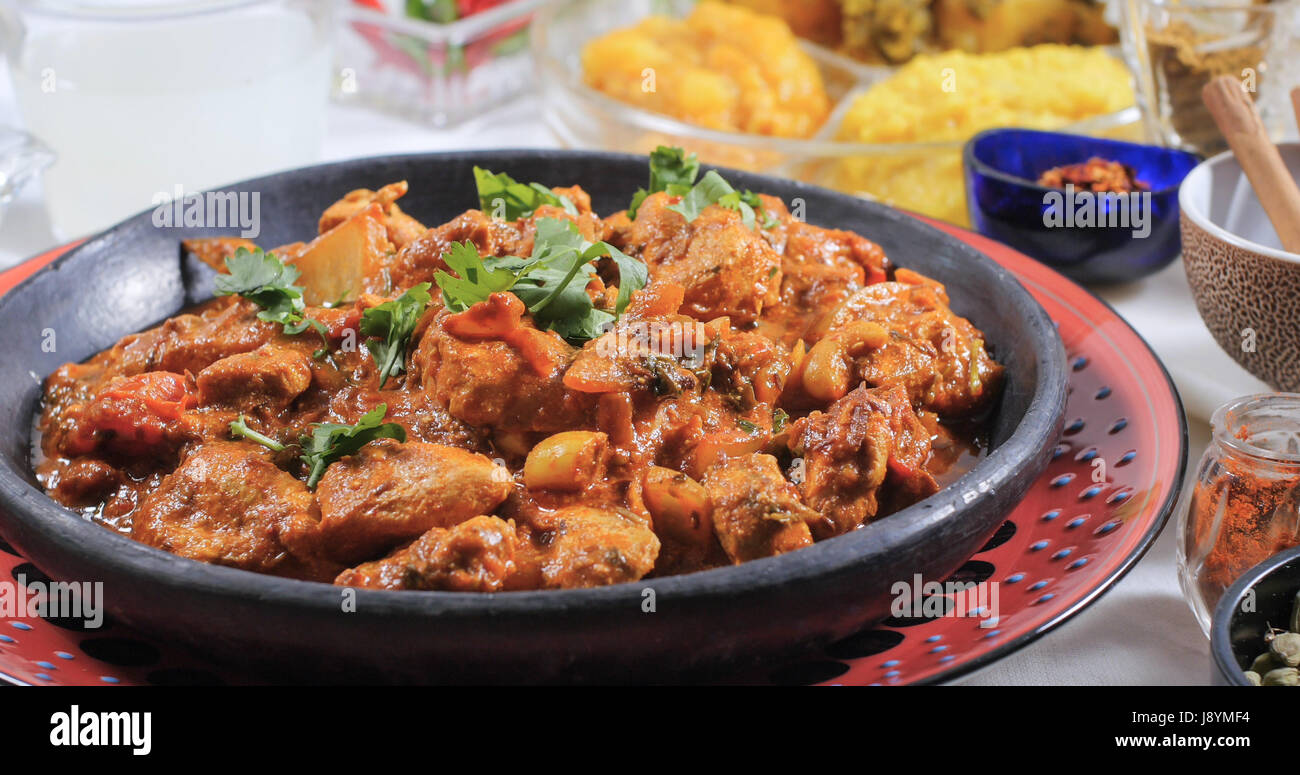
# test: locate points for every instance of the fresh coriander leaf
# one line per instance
(306, 323)
(330, 442)
(262, 278)
(671, 170)
(779, 420)
(268, 282)
(711, 189)
(714, 189)
(748, 427)
(474, 280)
(735, 201)
(756, 203)
(637, 200)
(672, 167)
(552, 282)
(555, 286)
(632, 276)
(239, 428)
(391, 325)
(503, 196)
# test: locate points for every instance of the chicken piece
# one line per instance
(491, 368)
(475, 556)
(756, 511)
(727, 268)
(938, 356)
(188, 342)
(749, 369)
(402, 228)
(587, 546)
(271, 376)
(83, 482)
(805, 244)
(819, 269)
(421, 259)
(228, 504)
(863, 440)
(661, 355)
(423, 418)
(391, 492)
(193, 342)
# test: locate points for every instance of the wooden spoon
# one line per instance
(1239, 122)
(1295, 103)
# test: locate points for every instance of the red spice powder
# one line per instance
(1256, 516)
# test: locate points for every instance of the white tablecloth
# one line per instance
(1141, 632)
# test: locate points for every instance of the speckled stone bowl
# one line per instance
(1246, 287)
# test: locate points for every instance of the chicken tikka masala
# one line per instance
(527, 397)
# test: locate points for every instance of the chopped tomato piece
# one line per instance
(501, 317)
(135, 415)
(491, 319)
(900, 469)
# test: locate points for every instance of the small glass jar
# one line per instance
(1243, 508)
(1175, 47)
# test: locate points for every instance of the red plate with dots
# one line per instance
(1111, 485)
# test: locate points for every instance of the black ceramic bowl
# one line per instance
(134, 276)
(1260, 599)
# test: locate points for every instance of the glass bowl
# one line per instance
(922, 176)
(1245, 506)
(439, 74)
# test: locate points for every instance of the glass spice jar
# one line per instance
(1243, 507)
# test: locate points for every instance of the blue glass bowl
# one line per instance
(1090, 238)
